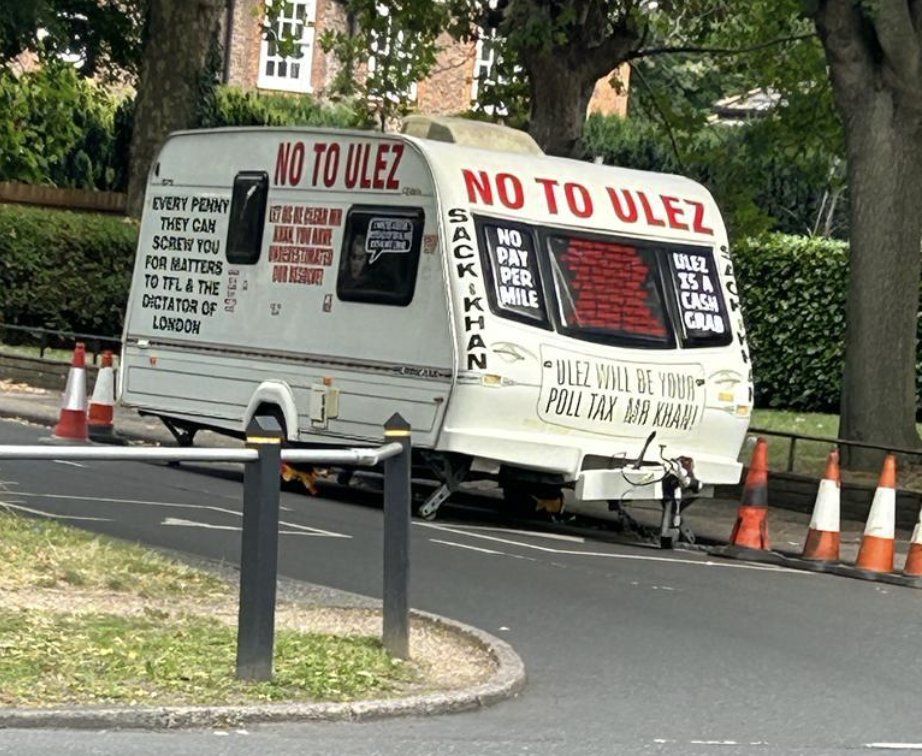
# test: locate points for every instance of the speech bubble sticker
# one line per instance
(388, 236)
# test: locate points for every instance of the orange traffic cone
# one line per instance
(72, 420)
(913, 566)
(751, 529)
(101, 416)
(823, 537)
(876, 552)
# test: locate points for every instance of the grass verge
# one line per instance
(25, 350)
(810, 456)
(89, 620)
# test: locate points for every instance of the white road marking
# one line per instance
(67, 462)
(40, 513)
(313, 531)
(664, 741)
(466, 546)
(895, 746)
(607, 555)
(109, 500)
(209, 526)
(194, 524)
(713, 742)
(535, 533)
(175, 505)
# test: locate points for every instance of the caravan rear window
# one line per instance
(380, 255)
(604, 289)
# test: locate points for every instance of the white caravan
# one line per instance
(554, 324)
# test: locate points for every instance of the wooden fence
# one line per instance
(70, 199)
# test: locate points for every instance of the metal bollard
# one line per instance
(396, 635)
(259, 552)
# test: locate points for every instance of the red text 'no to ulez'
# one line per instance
(355, 165)
(629, 205)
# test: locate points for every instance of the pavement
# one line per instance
(711, 520)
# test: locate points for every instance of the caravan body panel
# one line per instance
(539, 316)
(208, 325)
(547, 379)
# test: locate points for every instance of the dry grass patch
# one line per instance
(87, 619)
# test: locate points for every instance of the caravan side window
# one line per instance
(701, 306)
(508, 254)
(380, 255)
(247, 217)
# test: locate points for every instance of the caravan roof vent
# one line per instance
(487, 136)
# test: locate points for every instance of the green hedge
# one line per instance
(232, 106)
(793, 291)
(64, 270)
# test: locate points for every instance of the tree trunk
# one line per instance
(875, 77)
(879, 384)
(560, 95)
(180, 35)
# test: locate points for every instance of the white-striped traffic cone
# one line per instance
(877, 545)
(101, 416)
(72, 420)
(823, 538)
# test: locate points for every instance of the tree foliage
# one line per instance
(57, 129)
(104, 37)
(779, 167)
(388, 49)
(560, 48)
(758, 187)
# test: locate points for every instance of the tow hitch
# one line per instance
(680, 478)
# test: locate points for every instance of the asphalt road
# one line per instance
(628, 649)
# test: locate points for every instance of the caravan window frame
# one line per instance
(491, 268)
(358, 219)
(609, 336)
(244, 242)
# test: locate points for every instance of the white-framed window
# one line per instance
(484, 63)
(291, 74)
(381, 48)
(484, 60)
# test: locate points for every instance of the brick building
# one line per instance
(252, 61)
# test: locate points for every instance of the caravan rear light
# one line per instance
(491, 379)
